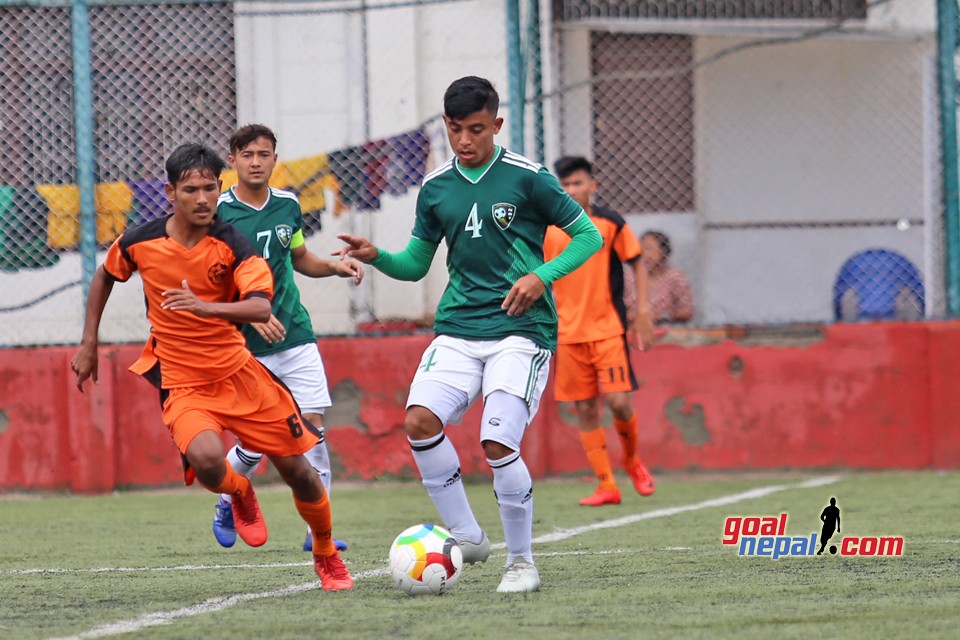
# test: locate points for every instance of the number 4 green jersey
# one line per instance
(494, 229)
(274, 230)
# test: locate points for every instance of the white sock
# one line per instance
(439, 468)
(514, 490)
(319, 459)
(242, 461)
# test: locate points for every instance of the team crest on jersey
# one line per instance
(284, 234)
(217, 272)
(503, 214)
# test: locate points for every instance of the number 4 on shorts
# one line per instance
(430, 361)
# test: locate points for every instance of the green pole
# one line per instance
(83, 125)
(947, 79)
(536, 70)
(515, 75)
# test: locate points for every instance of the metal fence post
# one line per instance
(83, 123)
(515, 76)
(947, 79)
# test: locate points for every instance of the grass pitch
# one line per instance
(145, 565)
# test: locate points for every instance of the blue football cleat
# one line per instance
(223, 529)
(308, 543)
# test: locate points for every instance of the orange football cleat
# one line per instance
(248, 519)
(601, 497)
(334, 575)
(642, 480)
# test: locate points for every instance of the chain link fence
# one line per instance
(789, 149)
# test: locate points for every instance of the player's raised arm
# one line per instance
(411, 264)
(85, 360)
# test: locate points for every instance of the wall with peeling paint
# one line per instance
(839, 396)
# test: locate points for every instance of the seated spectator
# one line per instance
(671, 300)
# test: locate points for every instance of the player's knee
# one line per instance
(588, 411)
(496, 450)
(620, 407)
(421, 424)
(210, 470)
(205, 455)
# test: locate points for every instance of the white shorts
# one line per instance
(514, 364)
(301, 369)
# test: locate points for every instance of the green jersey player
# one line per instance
(286, 344)
(496, 323)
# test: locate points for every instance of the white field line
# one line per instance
(183, 567)
(215, 567)
(219, 604)
(723, 501)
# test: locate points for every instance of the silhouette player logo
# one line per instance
(831, 522)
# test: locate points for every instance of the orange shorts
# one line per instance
(251, 404)
(586, 368)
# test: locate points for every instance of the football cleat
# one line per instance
(642, 480)
(601, 497)
(223, 529)
(474, 552)
(248, 519)
(519, 576)
(334, 575)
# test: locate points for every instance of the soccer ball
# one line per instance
(425, 559)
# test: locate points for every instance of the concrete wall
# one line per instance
(812, 132)
(842, 396)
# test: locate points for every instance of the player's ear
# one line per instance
(497, 124)
(230, 159)
(169, 189)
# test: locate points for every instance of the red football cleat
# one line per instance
(248, 519)
(601, 497)
(334, 575)
(642, 480)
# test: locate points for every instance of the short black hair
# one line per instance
(568, 164)
(662, 239)
(469, 95)
(247, 134)
(193, 156)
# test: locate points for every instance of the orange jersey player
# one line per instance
(200, 277)
(592, 352)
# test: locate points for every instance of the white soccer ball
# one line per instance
(425, 559)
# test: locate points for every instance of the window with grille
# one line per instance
(644, 153)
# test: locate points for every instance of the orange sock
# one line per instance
(234, 484)
(317, 515)
(595, 445)
(627, 430)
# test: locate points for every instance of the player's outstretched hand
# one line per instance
(350, 268)
(523, 294)
(84, 364)
(357, 247)
(184, 300)
(272, 330)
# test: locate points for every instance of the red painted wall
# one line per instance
(844, 396)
